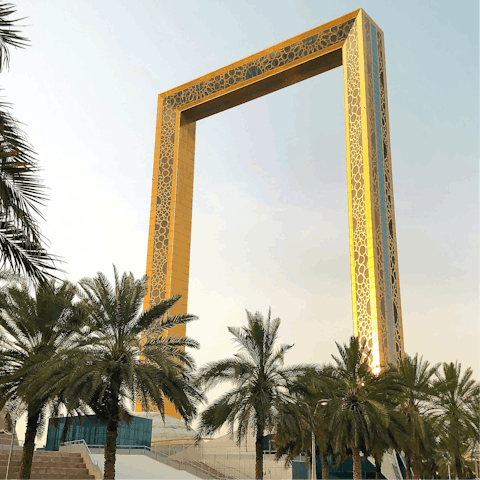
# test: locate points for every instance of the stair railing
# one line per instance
(81, 447)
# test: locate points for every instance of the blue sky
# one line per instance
(270, 223)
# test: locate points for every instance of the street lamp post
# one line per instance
(314, 461)
(323, 402)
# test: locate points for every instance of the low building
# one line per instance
(87, 427)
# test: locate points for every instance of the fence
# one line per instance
(232, 462)
(195, 469)
(202, 460)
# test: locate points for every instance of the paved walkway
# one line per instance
(141, 467)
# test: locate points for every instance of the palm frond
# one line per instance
(158, 326)
(9, 35)
(19, 253)
(21, 190)
(123, 365)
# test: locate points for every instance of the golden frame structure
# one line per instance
(355, 42)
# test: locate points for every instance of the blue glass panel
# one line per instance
(94, 432)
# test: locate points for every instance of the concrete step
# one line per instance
(7, 440)
(47, 465)
(52, 476)
(71, 475)
(58, 471)
(57, 476)
(42, 454)
(72, 461)
(44, 466)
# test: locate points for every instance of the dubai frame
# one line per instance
(355, 42)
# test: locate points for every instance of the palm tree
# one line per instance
(291, 435)
(426, 464)
(127, 356)
(473, 409)
(37, 335)
(302, 422)
(414, 407)
(260, 383)
(21, 191)
(360, 408)
(453, 399)
(295, 429)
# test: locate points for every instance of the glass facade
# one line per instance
(94, 432)
(344, 470)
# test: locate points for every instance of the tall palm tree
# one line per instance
(302, 423)
(360, 408)
(260, 383)
(296, 426)
(453, 399)
(292, 437)
(21, 190)
(37, 335)
(473, 409)
(128, 356)
(425, 463)
(414, 407)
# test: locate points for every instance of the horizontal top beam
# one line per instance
(310, 53)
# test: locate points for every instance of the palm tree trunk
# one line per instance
(408, 462)
(458, 467)
(111, 448)
(357, 464)
(325, 469)
(378, 466)
(29, 445)
(259, 452)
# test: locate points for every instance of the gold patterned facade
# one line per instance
(355, 42)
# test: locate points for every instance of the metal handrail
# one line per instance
(119, 447)
(12, 433)
(224, 467)
(195, 465)
(76, 442)
(153, 453)
(173, 438)
(82, 442)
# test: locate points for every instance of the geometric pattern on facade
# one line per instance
(355, 42)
